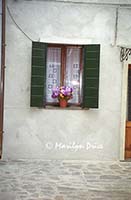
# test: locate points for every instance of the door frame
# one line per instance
(125, 65)
(2, 77)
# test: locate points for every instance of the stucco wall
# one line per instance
(40, 133)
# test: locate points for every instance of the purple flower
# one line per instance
(64, 92)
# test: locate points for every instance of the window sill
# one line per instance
(55, 107)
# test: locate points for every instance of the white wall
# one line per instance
(38, 133)
(120, 2)
(124, 27)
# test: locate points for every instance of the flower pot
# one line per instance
(63, 103)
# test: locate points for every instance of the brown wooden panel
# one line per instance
(127, 154)
(129, 66)
(128, 140)
(129, 94)
(128, 124)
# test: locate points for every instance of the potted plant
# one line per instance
(63, 94)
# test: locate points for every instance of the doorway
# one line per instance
(128, 117)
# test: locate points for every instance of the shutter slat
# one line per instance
(91, 76)
(36, 101)
(37, 71)
(38, 76)
(93, 72)
(38, 61)
(38, 52)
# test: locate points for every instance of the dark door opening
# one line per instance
(128, 122)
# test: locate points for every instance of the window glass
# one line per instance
(72, 72)
(52, 71)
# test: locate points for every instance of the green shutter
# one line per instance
(38, 74)
(91, 76)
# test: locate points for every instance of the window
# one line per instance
(70, 65)
(64, 67)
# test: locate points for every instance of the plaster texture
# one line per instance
(113, 2)
(124, 28)
(62, 134)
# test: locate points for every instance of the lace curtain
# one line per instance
(52, 72)
(72, 77)
(71, 73)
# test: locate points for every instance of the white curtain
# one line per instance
(52, 71)
(72, 77)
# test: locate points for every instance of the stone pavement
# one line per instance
(65, 180)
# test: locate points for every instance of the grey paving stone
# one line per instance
(64, 180)
(7, 195)
(108, 177)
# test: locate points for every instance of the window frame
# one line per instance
(90, 75)
(63, 68)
